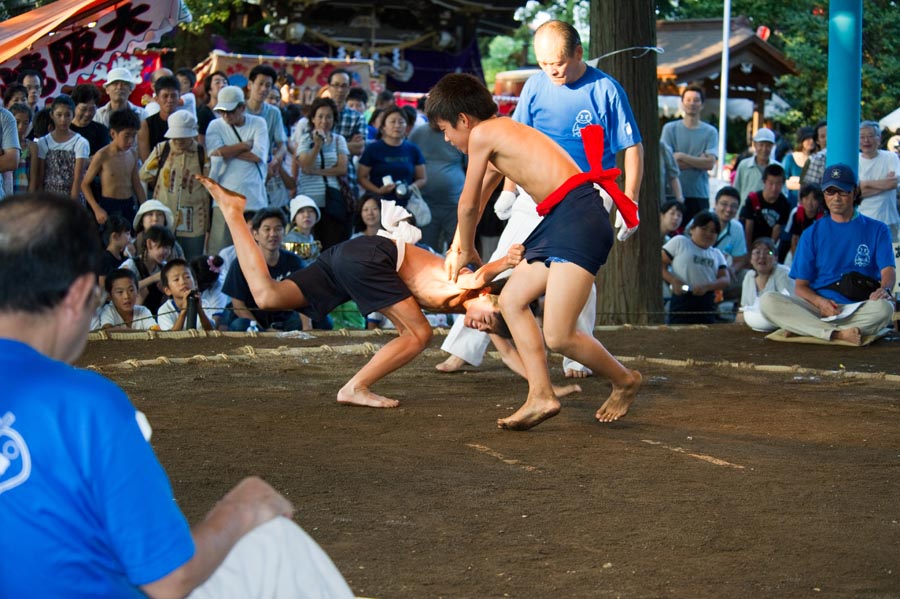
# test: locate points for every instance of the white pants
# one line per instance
(276, 560)
(802, 318)
(470, 344)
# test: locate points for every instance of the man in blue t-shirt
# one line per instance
(85, 507)
(568, 94)
(843, 242)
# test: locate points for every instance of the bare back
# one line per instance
(116, 172)
(523, 154)
(424, 274)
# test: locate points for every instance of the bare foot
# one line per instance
(563, 390)
(852, 335)
(621, 398)
(364, 397)
(226, 199)
(451, 364)
(532, 413)
(573, 373)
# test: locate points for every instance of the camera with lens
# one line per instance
(402, 190)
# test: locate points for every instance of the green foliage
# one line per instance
(504, 54)
(800, 30)
(576, 12)
(211, 14)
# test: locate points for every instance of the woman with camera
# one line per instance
(391, 166)
(321, 158)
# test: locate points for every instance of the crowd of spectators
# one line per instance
(342, 154)
(776, 205)
(323, 167)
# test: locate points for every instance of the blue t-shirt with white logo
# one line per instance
(562, 111)
(86, 509)
(827, 250)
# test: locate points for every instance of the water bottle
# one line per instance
(253, 328)
(190, 320)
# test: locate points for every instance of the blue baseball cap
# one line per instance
(840, 176)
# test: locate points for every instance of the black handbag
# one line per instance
(856, 286)
(335, 203)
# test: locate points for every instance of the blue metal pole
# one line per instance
(844, 77)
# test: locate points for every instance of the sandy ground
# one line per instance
(726, 479)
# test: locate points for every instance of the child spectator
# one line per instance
(153, 212)
(116, 236)
(178, 283)
(117, 166)
(766, 212)
(21, 177)
(169, 173)
(698, 270)
(62, 153)
(671, 213)
(208, 271)
(153, 251)
(810, 209)
(121, 313)
(42, 124)
(767, 275)
(304, 215)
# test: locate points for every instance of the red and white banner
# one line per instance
(72, 41)
(309, 74)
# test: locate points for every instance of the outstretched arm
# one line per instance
(268, 293)
(491, 270)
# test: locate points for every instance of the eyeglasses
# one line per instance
(833, 192)
(762, 253)
(339, 85)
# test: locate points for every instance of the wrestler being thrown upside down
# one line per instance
(380, 274)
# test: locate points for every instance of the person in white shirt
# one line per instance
(238, 148)
(878, 172)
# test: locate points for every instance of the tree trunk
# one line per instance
(629, 286)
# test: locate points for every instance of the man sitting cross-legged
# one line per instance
(380, 274)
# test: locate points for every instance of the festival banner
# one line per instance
(309, 74)
(85, 47)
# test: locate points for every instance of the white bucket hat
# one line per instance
(302, 201)
(181, 124)
(119, 74)
(150, 206)
(230, 97)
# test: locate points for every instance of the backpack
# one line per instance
(163, 155)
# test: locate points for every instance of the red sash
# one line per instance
(592, 138)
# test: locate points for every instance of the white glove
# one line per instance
(503, 205)
(624, 232)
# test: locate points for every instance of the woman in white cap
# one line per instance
(169, 173)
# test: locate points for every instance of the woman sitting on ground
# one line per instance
(767, 275)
